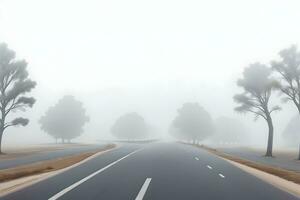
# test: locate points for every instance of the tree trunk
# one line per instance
(1, 134)
(299, 153)
(298, 107)
(270, 137)
(2, 122)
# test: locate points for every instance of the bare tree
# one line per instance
(258, 86)
(14, 83)
(289, 70)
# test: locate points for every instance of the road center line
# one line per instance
(64, 191)
(143, 190)
(209, 167)
(196, 158)
(221, 175)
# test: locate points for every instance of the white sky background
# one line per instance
(146, 56)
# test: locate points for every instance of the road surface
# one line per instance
(47, 155)
(158, 171)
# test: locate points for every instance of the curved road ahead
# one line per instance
(158, 171)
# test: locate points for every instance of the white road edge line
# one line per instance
(143, 190)
(208, 166)
(196, 158)
(221, 175)
(74, 185)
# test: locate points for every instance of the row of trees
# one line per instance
(260, 80)
(192, 123)
(64, 120)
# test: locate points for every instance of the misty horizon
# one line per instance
(151, 64)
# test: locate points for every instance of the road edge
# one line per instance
(276, 181)
(280, 183)
(21, 183)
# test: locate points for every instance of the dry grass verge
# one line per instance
(282, 173)
(46, 166)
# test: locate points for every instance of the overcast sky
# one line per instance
(115, 45)
(101, 44)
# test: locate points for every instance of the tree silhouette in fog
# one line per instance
(65, 120)
(192, 123)
(289, 72)
(130, 126)
(229, 130)
(14, 84)
(258, 85)
(291, 133)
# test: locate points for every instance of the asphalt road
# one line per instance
(158, 171)
(47, 155)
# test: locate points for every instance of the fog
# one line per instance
(148, 57)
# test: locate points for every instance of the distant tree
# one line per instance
(229, 130)
(14, 84)
(130, 126)
(192, 123)
(65, 120)
(289, 71)
(291, 133)
(257, 85)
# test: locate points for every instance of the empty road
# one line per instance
(158, 171)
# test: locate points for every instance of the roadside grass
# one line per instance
(46, 166)
(282, 173)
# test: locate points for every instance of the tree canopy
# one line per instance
(130, 126)
(192, 123)
(14, 84)
(288, 69)
(258, 85)
(65, 120)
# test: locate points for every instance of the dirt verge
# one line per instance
(276, 181)
(46, 166)
(282, 173)
(286, 180)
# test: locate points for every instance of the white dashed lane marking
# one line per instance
(221, 175)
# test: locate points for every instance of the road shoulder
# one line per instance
(276, 181)
(280, 178)
(16, 184)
